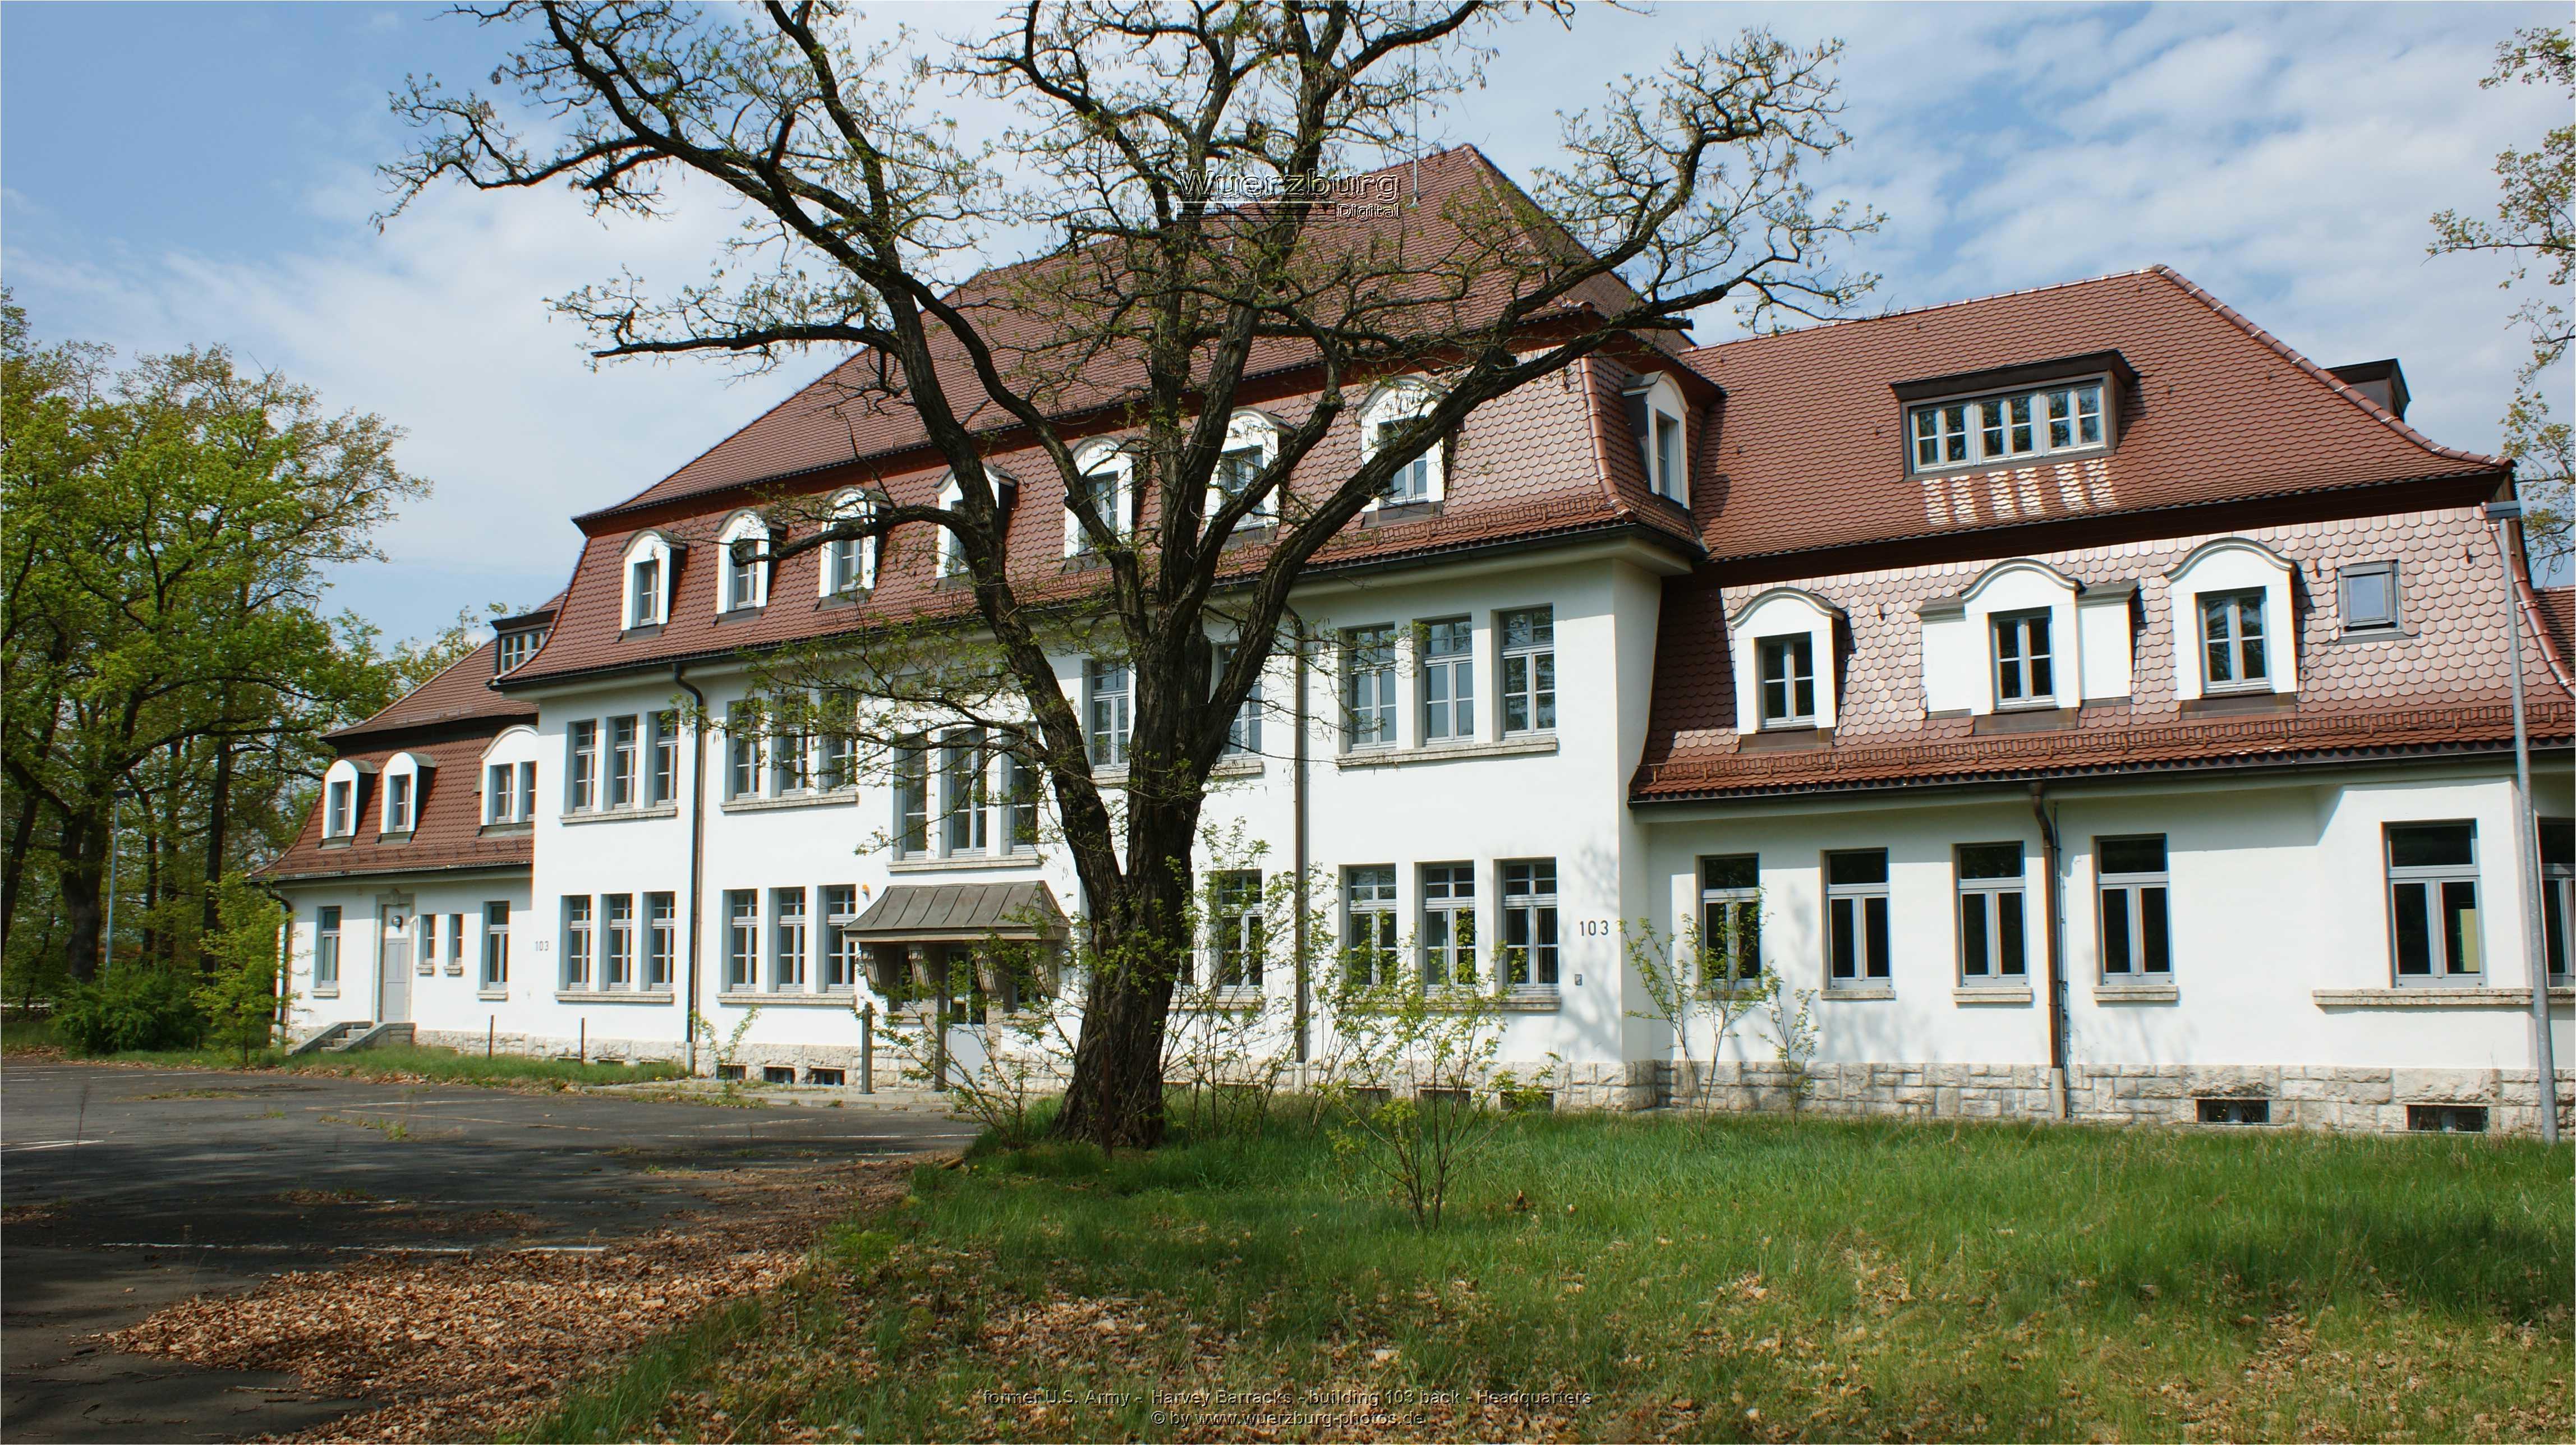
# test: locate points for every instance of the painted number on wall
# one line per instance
(1593, 927)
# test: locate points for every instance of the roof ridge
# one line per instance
(367, 723)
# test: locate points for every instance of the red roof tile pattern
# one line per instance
(1810, 452)
(449, 835)
(2440, 680)
(459, 692)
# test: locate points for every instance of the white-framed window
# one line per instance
(850, 563)
(1234, 928)
(2367, 597)
(1994, 939)
(1107, 476)
(2025, 659)
(790, 761)
(625, 756)
(1109, 702)
(1529, 923)
(951, 560)
(511, 649)
(843, 953)
(912, 798)
(496, 945)
(742, 939)
(966, 801)
(399, 784)
(1369, 923)
(1243, 735)
(1388, 412)
(501, 793)
(576, 941)
(340, 804)
(1788, 679)
(1251, 444)
(789, 938)
(1020, 783)
(456, 943)
(1448, 925)
(662, 775)
(1445, 669)
(2433, 924)
(1660, 417)
(326, 946)
(742, 570)
(742, 751)
(2046, 421)
(617, 934)
(1730, 919)
(1857, 937)
(428, 942)
(2235, 646)
(645, 597)
(661, 939)
(1368, 686)
(2136, 921)
(1527, 639)
(2557, 894)
(581, 766)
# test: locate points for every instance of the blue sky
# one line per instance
(187, 174)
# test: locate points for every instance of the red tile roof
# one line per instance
(449, 836)
(458, 692)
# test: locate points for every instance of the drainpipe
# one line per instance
(1297, 806)
(2527, 879)
(697, 850)
(2056, 981)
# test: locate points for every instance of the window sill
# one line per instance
(1535, 1000)
(838, 797)
(839, 999)
(399, 836)
(324, 991)
(2238, 703)
(456, 970)
(1448, 753)
(1243, 767)
(1858, 992)
(505, 830)
(2044, 718)
(496, 995)
(341, 841)
(1785, 738)
(623, 815)
(428, 970)
(2136, 993)
(2355, 635)
(618, 995)
(1223, 1000)
(2435, 997)
(1997, 996)
(964, 861)
(1389, 514)
(640, 630)
(737, 616)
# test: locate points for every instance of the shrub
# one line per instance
(133, 1007)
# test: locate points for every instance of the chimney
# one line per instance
(2382, 381)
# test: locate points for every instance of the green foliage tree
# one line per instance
(2535, 227)
(240, 994)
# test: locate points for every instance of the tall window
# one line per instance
(644, 592)
(1412, 481)
(1448, 924)
(742, 573)
(1103, 482)
(788, 937)
(2433, 902)
(742, 753)
(1234, 928)
(1019, 802)
(1236, 469)
(844, 566)
(1788, 679)
(1993, 946)
(617, 929)
(336, 818)
(2137, 934)
(1448, 680)
(576, 941)
(1529, 923)
(2023, 665)
(527, 791)
(661, 938)
(1668, 455)
(428, 942)
(1528, 639)
(624, 749)
(398, 803)
(499, 786)
(1243, 736)
(2231, 640)
(1110, 701)
(2031, 423)
(2557, 893)
(1368, 928)
(742, 939)
(2369, 597)
(788, 763)
(1730, 919)
(581, 772)
(967, 814)
(1368, 687)
(840, 943)
(326, 947)
(836, 754)
(665, 778)
(496, 945)
(456, 943)
(911, 798)
(1856, 927)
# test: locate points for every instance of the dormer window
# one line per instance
(744, 574)
(1776, 644)
(647, 591)
(1106, 478)
(398, 803)
(850, 563)
(2046, 421)
(2234, 628)
(1251, 441)
(1386, 415)
(339, 820)
(1788, 680)
(1656, 412)
(952, 557)
(513, 649)
(2231, 637)
(2025, 673)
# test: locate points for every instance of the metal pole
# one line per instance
(868, 1049)
(2543, 1052)
(107, 941)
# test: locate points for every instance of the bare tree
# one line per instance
(1176, 214)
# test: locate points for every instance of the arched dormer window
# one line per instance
(850, 564)
(952, 557)
(344, 789)
(510, 778)
(2233, 627)
(1782, 646)
(405, 787)
(742, 576)
(1660, 418)
(1389, 409)
(1110, 474)
(645, 598)
(1251, 443)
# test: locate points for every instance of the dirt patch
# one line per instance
(468, 1348)
(18, 1216)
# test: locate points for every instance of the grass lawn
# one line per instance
(1758, 1278)
(402, 1063)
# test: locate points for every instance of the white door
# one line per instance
(393, 966)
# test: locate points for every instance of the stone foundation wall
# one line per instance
(2356, 1100)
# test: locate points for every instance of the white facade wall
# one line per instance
(446, 997)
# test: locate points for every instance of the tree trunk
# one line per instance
(13, 862)
(1139, 941)
(218, 819)
(81, 883)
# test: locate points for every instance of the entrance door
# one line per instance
(393, 966)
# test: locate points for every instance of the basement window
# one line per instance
(777, 1074)
(2236, 1111)
(831, 1077)
(2447, 1118)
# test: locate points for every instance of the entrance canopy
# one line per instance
(961, 913)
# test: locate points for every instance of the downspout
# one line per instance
(1297, 850)
(2056, 981)
(697, 850)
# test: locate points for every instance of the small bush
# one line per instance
(133, 1007)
